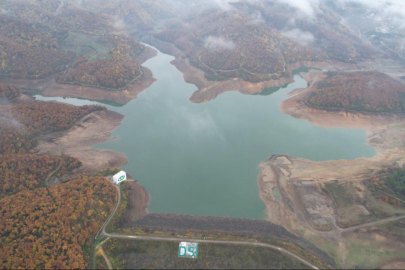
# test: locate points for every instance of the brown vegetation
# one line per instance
(30, 50)
(137, 15)
(21, 127)
(27, 172)
(359, 91)
(117, 71)
(8, 91)
(235, 44)
(46, 227)
(238, 49)
(59, 14)
(52, 229)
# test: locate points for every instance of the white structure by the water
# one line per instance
(119, 177)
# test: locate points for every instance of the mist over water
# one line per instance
(203, 158)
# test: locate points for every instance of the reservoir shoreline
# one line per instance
(139, 160)
(49, 88)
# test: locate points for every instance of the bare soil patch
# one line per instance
(327, 202)
(138, 202)
(396, 264)
(93, 129)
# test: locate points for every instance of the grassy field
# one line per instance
(350, 205)
(368, 248)
(137, 254)
(90, 46)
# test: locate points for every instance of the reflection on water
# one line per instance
(203, 158)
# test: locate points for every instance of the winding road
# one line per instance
(178, 239)
(53, 172)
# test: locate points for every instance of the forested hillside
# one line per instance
(325, 32)
(22, 124)
(359, 91)
(53, 228)
(8, 91)
(30, 50)
(224, 45)
(58, 15)
(32, 45)
(45, 227)
(256, 42)
(116, 71)
(27, 172)
(134, 15)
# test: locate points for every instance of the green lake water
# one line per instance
(203, 159)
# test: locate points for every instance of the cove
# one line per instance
(202, 159)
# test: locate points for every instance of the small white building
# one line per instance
(119, 177)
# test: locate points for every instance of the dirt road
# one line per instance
(373, 223)
(52, 173)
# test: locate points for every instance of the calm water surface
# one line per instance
(203, 158)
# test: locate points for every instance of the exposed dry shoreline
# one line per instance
(49, 88)
(384, 133)
(138, 202)
(302, 181)
(92, 129)
(208, 90)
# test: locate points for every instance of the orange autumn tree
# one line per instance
(42, 229)
(360, 91)
(27, 172)
(21, 125)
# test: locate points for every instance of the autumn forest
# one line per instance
(359, 91)
(45, 226)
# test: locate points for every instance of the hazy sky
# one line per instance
(310, 7)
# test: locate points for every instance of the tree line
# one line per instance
(46, 227)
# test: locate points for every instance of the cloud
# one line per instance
(257, 17)
(214, 43)
(119, 25)
(120, 28)
(311, 7)
(391, 9)
(224, 4)
(307, 7)
(3, 11)
(7, 118)
(301, 37)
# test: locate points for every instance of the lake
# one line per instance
(202, 159)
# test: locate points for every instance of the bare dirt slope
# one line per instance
(347, 224)
(93, 129)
